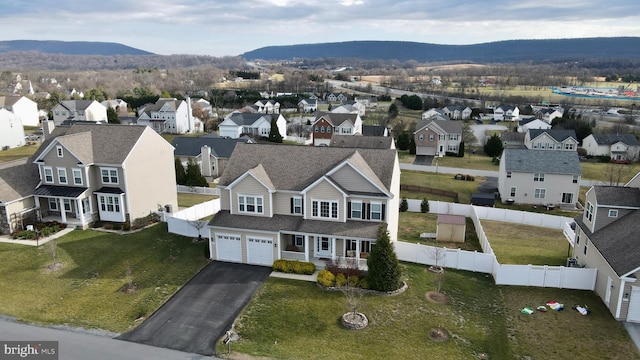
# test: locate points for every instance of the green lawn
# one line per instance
(289, 319)
(18, 153)
(525, 244)
(439, 181)
(86, 292)
(412, 224)
(469, 161)
(188, 200)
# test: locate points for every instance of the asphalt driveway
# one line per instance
(203, 310)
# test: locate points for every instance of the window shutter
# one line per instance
(291, 203)
(302, 204)
(349, 210)
(368, 211)
(382, 215)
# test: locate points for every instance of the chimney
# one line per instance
(47, 128)
(189, 115)
(205, 163)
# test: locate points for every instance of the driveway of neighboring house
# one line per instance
(423, 160)
(203, 310)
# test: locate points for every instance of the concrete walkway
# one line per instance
(312, 278)
(7, 239)
(634, 332)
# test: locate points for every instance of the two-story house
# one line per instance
(437, 137)
(429, 114)
(337, 97)
(120, 106)
(606, 238)
(267, 106)
(304, 203)
(551, 139)
(327, 124)
(308, 105)
(11, 130)
(254, 124)
(79, 110)
(351, 106)
(619, 147)
(209, 152)
(457, 112)
(23, 107)
(539, 177)
(114, 173)
(169, 115)
(525, 125)
(18, 179)
(548, 114)
(506, 113)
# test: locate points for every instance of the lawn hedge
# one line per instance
(294, 266)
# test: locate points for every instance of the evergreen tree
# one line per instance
(393, 111)
(424, 206)
(181, 175)
(461, 149)
(274, 133)
(412, 146)
(404, 205)
(112, 116)
(384, 268)
(494, 146)
(404, 140)
(193, 175)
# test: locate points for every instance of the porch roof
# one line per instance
(59, 191)
(350, 228)
(109, 190)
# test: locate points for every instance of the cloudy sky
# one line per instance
(232, 27)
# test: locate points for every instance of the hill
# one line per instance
(69, 47)
(510, 51)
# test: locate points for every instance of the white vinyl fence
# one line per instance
(185, 222)
(198, 190)
(486, 262)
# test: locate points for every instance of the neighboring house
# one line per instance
(11, 130)
(112, 173)
(304, 203)
(375, 130)
(268, 106)
(326, 124)
(367, 101)
(337, 97)
(606, 238)
(618, 147)
(512, 140)
(457, 112)
(364, 142)
(119, 105)
(23, 107)
(345, 109)
(169, 115)
(257, 125)
(564, 140)
(506, 113)
(433, 112)
(539, 177)
(18, 179)
(437, 137)
(211, 153)
(204, 105)
(525, 125)
(350, 106)
(548, 114)
(308, 105)
(79, 110)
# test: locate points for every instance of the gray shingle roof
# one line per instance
(350, 228)
(618, 242)
(373, 130)
(617, 196)
(242, 119)
(557, 135)
(292, 167)
(18, 179)
(550, 162)
(610, 139)
(358, 141)
(74, 105)
(336, 119)
(191, 146)
(451, 127)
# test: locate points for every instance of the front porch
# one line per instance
(320, 249)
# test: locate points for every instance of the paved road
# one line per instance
(81, 346)
(203, 310)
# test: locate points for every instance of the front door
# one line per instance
(323, 246)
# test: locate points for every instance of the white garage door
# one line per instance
(260, 251)
(228, 248)
(634, 305)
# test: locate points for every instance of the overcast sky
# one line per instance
(232, 27)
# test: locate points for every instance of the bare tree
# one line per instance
(51, 247)
(353, 297)
(198, 225)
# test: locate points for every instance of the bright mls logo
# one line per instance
(29, 350)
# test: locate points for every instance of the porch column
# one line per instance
(306, 248)
(333, 248)
(357, 252)
(79, 211)
(63, 213)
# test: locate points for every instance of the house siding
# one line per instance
(594, 259)
(324, 191)
(225, 201)
(351, 180)
(426, 146)
(554, 184)
(282, 202)
(602, 218)
(250, 186)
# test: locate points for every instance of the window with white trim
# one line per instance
(48, 174)
(324, 209)
(296, 205)
(512, 193)
(431, 137)
(66, 203)
(442, 137)
(366, 246)
(345, 130)
(538, 176)
(109, 175)
(250, 204)
(421, 137)
(568, 146)
(508, 174)
(452, 148)
(62, 175)
(298, 240)
(613, 213)
(539, 193)
(109, 203)
(356, 209)
(575, 179)
(53, 204)
(376, 211)
(454, 137)
(77, 176)
(589, 211)
(59, 151)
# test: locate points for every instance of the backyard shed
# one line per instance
(451, 228)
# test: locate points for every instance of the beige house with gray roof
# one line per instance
(111, 173)
(304, 203)
(606, 238)
(18, 179)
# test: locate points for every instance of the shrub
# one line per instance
(117, 226)
(353, 281)
(404, 205)
(294, 266)
(126, 226)
(363, 283)
(424, 206)
(341, 280)
(96, 224)
(326, 278)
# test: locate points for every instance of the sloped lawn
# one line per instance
(87, 291)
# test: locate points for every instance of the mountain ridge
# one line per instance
(70, 47)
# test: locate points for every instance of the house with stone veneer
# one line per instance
(304, 203)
